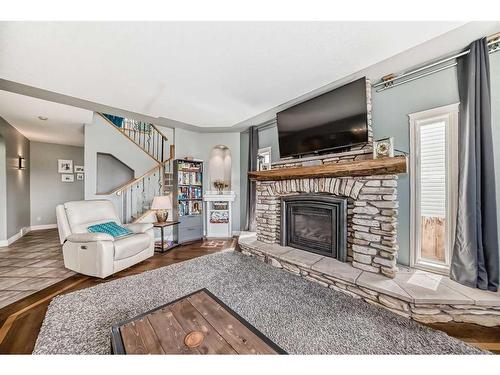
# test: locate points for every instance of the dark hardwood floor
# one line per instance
(20, 321)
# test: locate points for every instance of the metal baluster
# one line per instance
(143, 136)
(149, 141)
(154, 143)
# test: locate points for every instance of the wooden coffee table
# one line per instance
(198, 323)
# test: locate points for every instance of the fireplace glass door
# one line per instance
(312, 227)
(316, 224)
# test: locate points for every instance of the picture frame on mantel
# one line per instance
(64, 166)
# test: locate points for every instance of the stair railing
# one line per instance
(137, 195)
(145, 135)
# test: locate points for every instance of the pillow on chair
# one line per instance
(111, 228)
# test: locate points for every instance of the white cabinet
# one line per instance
(219, 214)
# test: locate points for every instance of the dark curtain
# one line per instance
(475, 260)
(253, 148)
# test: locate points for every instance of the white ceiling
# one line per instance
(63, 126)
(200, 73)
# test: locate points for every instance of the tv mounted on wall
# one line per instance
(336, 119)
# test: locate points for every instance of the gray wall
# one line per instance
(111, 173)
(3, 192)
(47, 189)
(16, 181)
(390, 118)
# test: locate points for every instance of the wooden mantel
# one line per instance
(369, 167)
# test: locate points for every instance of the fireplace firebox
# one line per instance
(315, 223)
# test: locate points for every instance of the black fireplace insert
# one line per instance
(315, 223)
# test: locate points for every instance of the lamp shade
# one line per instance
(162, 202)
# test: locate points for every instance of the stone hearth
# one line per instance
(415, 294)
(371, 215)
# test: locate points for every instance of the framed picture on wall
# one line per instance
(67, 178)
(65, 166)
(79, 176)
(79, 169)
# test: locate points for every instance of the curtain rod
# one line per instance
(493, 44)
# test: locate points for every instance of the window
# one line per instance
(433, 174)
(264, 159)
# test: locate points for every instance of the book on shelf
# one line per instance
(191, 207)
(195, 192)
(188, 165)
(218, 217)
(183, 192)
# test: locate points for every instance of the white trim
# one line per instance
(448, 114)
(15, 237)
(434, 112)
(24, 231)
(43, 226)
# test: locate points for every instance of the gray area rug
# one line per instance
(300, 316)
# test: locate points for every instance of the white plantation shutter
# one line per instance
(433, 169)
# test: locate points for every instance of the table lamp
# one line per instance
(161, 204)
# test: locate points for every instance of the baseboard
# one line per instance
(25, 230)
(15, 237)
(236, 232)
(43, 226)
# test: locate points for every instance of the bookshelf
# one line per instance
(188, 190)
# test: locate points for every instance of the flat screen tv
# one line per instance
(336, 119)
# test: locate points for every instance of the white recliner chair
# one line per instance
(100, 254)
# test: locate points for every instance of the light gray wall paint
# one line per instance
(17, 182)
(3, 192)
(268, 137)
(390, 118)
(111, 173)
(47, 189)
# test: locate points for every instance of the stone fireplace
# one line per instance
(368, 188)
(316, 223)
(371, 216)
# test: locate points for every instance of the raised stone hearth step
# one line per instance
(416, 294)
(334, 268)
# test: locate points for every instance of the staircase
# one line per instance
(137, 194)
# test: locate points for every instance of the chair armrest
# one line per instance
(89, 237)
(139, 227)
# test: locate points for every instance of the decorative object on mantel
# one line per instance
(161, 204)
(220, 185)
(383, 148)
(218, 208)
(368, 167)
(79, 169)
(67, 178)
(264, 159)
(64, 166)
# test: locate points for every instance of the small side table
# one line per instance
(161, 246)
